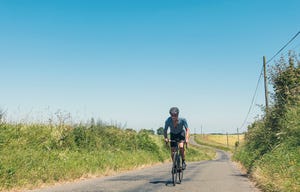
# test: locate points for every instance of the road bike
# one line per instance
(177, 171)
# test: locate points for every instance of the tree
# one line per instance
(130, 130)
(285, 77)
(160, 131)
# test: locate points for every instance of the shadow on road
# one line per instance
(241, 175)
(129, 178)
(161, 182)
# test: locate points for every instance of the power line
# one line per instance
(293, 48)
(260, 75)
(283, 47)
(253, 98)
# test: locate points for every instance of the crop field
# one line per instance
(223, 141)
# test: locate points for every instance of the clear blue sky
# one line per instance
(128, 62)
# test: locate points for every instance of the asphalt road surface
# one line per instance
(219, 175)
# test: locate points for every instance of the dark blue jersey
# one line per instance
(181, 126)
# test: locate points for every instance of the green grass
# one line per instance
(274, 165)
(195, 153)
(279, 170)
(34, 155)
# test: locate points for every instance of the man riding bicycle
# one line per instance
(178, 131)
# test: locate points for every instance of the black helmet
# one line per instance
(174, 111)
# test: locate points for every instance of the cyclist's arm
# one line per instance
(187, 134)
(165, 135)
(166, 130)
(187, 131)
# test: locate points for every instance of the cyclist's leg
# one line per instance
(182, 151)
(181, 144)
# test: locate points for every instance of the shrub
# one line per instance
(272, 148)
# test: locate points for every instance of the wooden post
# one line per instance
(227, 139)
(201, 132)
(266, 84)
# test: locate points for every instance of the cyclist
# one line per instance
(178, 130)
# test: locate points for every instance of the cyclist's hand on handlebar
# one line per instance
(187, 140)
(167, 140)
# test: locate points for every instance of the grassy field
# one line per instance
(34, 155)
(225, 142)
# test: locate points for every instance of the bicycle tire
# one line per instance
(174, 169)
(180, 170)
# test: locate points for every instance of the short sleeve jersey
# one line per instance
(181, 125)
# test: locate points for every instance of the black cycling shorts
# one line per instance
(179, 136)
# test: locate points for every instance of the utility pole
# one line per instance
(201, 131)
(266, 84)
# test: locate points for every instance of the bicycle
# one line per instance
(177, 171)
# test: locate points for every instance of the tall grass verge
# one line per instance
(271, 152)
(279, 170)
(37, 154)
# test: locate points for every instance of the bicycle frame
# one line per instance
(177, 171)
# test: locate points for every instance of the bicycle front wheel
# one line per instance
(174, 169)
(179, 168)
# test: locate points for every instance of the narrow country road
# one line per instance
(218, 175)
